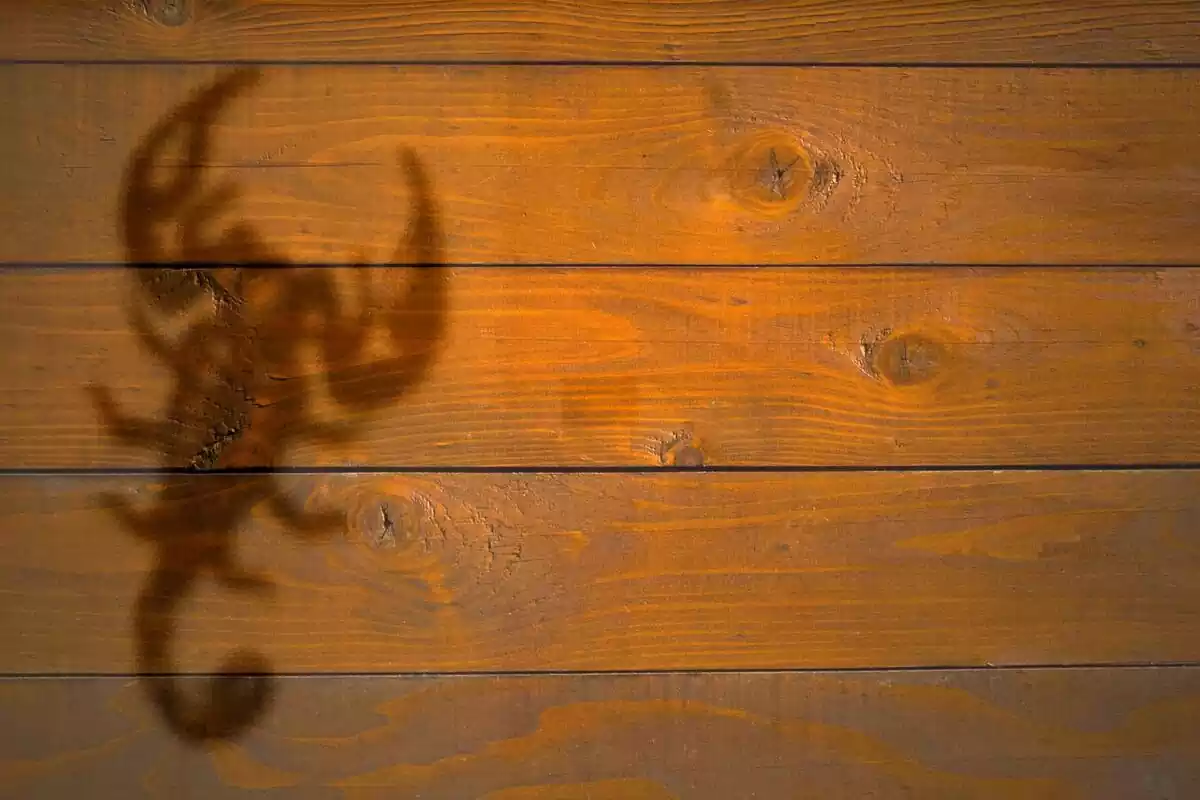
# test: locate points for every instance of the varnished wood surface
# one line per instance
(1095, 734)
(688, 165)
(786, 140)
(441, 572)
(620, 367)
(761, 31)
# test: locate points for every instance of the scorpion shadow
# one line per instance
(243, 386)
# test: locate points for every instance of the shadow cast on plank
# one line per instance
(244, 384)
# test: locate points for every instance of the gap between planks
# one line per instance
(615, 673)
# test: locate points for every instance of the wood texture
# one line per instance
(613, 367)
(1127, 734)
(185, 596)
(776, 31)
(600, 572)
(630, 165)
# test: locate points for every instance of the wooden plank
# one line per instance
(473, 572)
(513, 367)
(1119, 734)
(604, 165)
(759, 31)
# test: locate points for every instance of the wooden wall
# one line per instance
(600, 399)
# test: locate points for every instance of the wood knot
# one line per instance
(687, 456)
(681, 451)
(771, 174)
(378, 524)
(907, 359)
(171, 13)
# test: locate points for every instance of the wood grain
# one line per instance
(775, 31)
(448, 129)
(472, 572)
(633, 165)
(621, 367)
(1124, 734)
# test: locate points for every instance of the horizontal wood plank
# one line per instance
(1101, 734)
(775, 31)
(520, 367)
(473, 572)
(603, 165)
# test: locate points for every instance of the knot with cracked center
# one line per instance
(907, 359)
(771, 174)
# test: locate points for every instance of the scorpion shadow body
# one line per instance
(242, 390)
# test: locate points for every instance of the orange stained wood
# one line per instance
(689, 165)
(580, 399)
(623, 367)
(983, 735)
(421, 572)
(758, 31)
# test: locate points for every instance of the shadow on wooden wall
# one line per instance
(244, 387)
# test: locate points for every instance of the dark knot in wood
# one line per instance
(171, 13)
(907, 359)
(688, 456)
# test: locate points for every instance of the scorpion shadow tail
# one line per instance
(233, 700)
